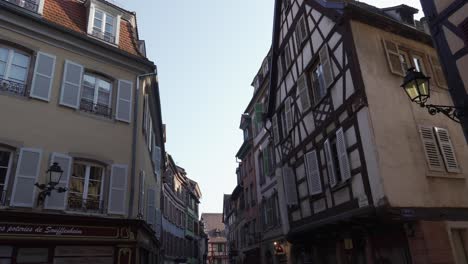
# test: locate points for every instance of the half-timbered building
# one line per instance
(369, 177)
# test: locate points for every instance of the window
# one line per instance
(286, 57)
(86, 187)
(5, 165)
(439, 149)
(261, 171)
(104, 26)
(96, 95)
(14, 66)
(31, 5)
(301, 32)
(220, 247)
(252, 197)
(318, 83)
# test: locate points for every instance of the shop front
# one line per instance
(64, 239)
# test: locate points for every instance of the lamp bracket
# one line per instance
(452, 112)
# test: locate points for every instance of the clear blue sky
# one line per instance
(208, 52)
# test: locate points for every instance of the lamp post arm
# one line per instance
(452, 112)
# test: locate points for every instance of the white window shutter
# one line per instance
(313, 173)
(27, 171)
(71, 84)
(141, 201)
(393, 57)
(274, 124)
(118, 189)
(58, 201)
(327, 65)
(151, 206)
(303, 91)
(289, 180)
(289, 113)
(124, 101)
(433, 157)
(446, 147)
(330, 164)
(343, 159)
(43, 76)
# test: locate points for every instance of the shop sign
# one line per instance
(56, 230)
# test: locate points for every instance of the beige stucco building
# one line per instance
(76, 88)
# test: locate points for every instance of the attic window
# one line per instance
(104, 22)
(104, 26)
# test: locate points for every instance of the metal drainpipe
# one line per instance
(134, 141)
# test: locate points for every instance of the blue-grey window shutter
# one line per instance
(118, 189)
(27, 171)
(43, 76)
(124, 101)
(71, 84)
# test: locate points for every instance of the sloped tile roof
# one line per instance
(72, 14)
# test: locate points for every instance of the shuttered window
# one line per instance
(27, 171)
(58, 200)
(288, 114)
(43, 76)
(71, 84)
(124, 101)
(289, 180)
(447, 150)
(151, 206)
(118, 189)
(259, 111)
(313, 173)
(437, 71)
(303, 91)
(301, 32)
(327, 65)
(274, 124)
(286, 57)
(433, 157)
(330, 164)
(393, 57)
(345, 169)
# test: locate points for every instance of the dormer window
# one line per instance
(104, 21)
(104, 26)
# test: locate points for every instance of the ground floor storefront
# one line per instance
(393, 239)
(35, 238)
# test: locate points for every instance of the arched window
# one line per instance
(96, 94)
(86, 187)
(14, 68)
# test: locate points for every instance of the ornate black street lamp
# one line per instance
(55, 174)
(416, 86)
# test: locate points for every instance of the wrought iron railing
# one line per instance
(30, 5)
(12, 86)
(85, 205)
(103, 35)
(98, 109)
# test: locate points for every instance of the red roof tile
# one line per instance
(72, 14)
